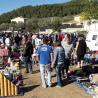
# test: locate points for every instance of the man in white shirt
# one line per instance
(7, 41)
(38, 42)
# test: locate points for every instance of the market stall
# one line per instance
(10, 75)
(87, 78)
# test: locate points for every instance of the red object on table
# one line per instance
(3, 52)
(97, 52)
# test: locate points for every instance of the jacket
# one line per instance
(59, 57)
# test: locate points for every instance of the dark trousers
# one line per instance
(66, 67)
(59, 75)
(28, 64)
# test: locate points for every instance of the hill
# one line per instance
(73, 7)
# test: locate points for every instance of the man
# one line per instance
(45, 60)
(37, 41)
(17, 40)
(7, 41)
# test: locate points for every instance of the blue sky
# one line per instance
(8, 5)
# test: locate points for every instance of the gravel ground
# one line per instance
(33, 89)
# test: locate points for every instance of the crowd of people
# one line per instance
(49, 52)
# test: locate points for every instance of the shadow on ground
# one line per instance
(36, 71)
(67, 82)
(29, 88)
(64, 82)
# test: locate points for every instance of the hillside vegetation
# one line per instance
(51, 15)
(73, 7)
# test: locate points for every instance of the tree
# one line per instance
(56, 23)
(91, 10)
(32, 25)
(44, 22)
(19, 26)
(4, 26)
(44, 11)
(12, 26)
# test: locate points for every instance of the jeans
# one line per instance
(66, 66)
(59, 76)
(28, 64)
(45, 75)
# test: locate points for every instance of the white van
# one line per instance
(92, 40)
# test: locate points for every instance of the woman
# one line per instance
(80, 51)
(59, 62)
(28, 56)
(68, 47)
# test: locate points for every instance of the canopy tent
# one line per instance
(72, 30)
(54, 32)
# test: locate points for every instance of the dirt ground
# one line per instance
(33, 89)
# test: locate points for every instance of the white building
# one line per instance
(18, 20)
(72, 30)
(91, 25)
(72, 26)
(77, 18)
(46, 31)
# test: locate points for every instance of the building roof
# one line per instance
(71, 22)
(18, 19)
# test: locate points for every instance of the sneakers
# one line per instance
(27, 72)
(49, 85)
(58, 86)
(44, 86)
(31, 72)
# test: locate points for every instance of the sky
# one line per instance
(8, 5)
